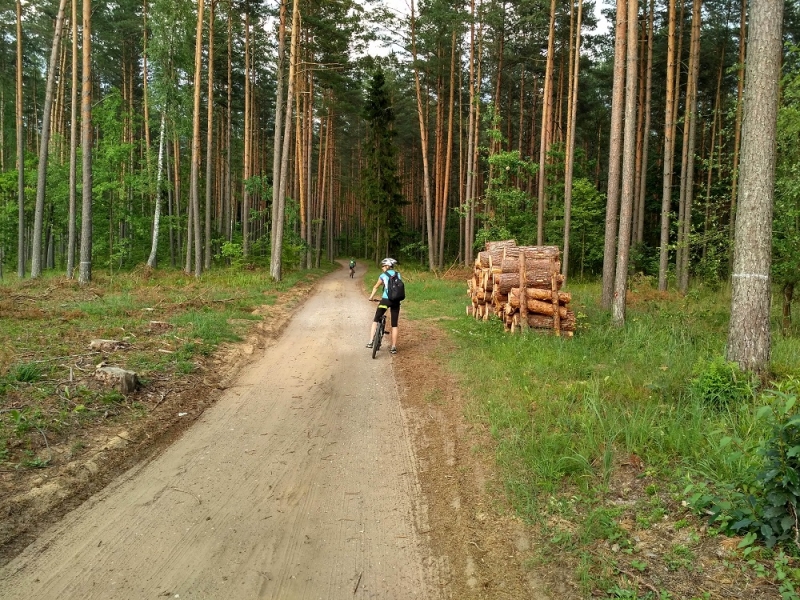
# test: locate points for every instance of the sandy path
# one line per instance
(299, 483)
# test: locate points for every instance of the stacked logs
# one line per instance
(495, 287)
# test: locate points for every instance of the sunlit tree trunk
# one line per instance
(247, 161)
(615, 153)
(85, 268)
(73, 149)
(669, 150)
(687, 174)
(749, 341)
(195, 174)
(227, 206)
(20, 152)
(209, 135)
(278, 140)
(628, 170)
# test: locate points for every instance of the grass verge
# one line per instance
(604, 439)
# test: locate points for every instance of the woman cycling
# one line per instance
(387, 268)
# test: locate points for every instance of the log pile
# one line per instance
(502, 270)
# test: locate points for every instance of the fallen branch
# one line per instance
(639, 580)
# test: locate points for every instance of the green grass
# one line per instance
(565, 412)
(47, 324)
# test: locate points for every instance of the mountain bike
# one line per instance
(379, 333)
(352, 272)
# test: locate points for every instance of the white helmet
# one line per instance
(388, 262)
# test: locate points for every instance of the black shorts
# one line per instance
(394, 311)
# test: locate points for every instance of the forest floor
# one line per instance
(439, 495)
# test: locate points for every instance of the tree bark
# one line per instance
(687, 173)
(423, 133)
(615, 154)
(151, 260)
(749, 332)
(247, 159)
(647, 105)
(20, 153)
(628, 170)
(193, 183)
(209, 136)
(544, 141)
(85, 268)
(278, 141)
(573, 113)
(73, 148)
(276, 265)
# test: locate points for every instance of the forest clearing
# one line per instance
(602, 512)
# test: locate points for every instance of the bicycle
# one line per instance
(352, 272)
(380, 331)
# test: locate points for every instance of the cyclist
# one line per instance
(352, 267)
(387, 267)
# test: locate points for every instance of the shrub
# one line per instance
(718, 383)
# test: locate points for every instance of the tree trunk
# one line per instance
(615, 153)
(449, 152)
(749, 333)
(209, 135)
(687, 174)
(227, 206)
(737, 128)
(647, 105)
(193, 183)
(278, 142)
(247, 160)
(669, 151)
(85, 268)
(788, 297)
(151, 260)
(573, 114)
(20, 152)
(471, 127)
(276, 258)
(73, 148)
(628, 170)
(544, 142)
(423, 132)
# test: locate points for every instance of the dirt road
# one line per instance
(299, 483)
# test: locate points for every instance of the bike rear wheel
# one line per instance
(376, 341)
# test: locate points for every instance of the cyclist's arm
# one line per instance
(375, 287)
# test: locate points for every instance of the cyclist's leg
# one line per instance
(395, 313)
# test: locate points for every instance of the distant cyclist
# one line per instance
(352, 267)
(388, 270)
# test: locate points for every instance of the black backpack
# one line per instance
(395, 289)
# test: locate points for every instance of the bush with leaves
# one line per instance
(764, 508)
(718, 383)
